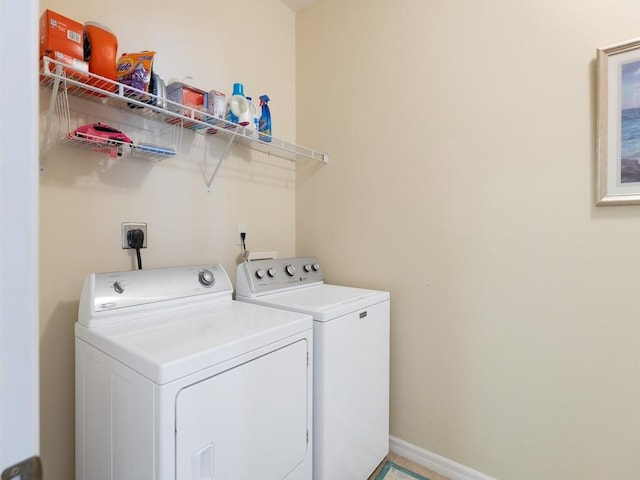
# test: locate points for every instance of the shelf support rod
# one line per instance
(222, 157)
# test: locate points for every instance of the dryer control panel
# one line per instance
(267, 276)
(111, 297)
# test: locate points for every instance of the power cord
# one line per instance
(135, 239)
(245, 252)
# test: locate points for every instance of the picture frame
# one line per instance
(618, 124)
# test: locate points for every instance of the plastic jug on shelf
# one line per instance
(238, 108)
(255, 117)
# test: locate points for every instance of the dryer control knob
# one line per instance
(307, 268)
(271, 272)
(315, 267)
(260, 273)
(290, 269)
(118, 287)
(206, 278)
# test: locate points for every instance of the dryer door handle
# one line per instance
(202, 464)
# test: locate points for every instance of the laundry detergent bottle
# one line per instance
(264, 125)
(238, 109)
(255, 118)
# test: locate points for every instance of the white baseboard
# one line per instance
(434, 462)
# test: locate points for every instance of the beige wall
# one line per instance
(462, 139)
(84, 197)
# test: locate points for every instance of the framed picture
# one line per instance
(618, 124)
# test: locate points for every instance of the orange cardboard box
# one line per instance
(60, 34)
(79, 68)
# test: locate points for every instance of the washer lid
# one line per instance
(165, 347)
(323, 302)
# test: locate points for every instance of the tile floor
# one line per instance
(414, 467)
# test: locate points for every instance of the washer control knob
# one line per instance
(307, 268)
(290, 269)
(260, 273)
(315, 267)
(206, 278)
(118, 287)
(271, 272)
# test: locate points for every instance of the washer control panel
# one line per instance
(260, 276)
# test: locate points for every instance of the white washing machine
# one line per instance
(351, 360)
(175, 380)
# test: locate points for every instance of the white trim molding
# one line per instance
(19, 182)
(434, 462)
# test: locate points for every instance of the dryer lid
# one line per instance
(166, 347)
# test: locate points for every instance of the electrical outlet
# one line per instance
(126, 226)
(242, 228)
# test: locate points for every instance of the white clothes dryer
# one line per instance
(177, 381)
(351, 360)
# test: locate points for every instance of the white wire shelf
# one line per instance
(63, 78)
(116, 148)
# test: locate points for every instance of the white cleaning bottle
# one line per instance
(253, 126)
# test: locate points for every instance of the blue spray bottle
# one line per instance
(264, 125)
